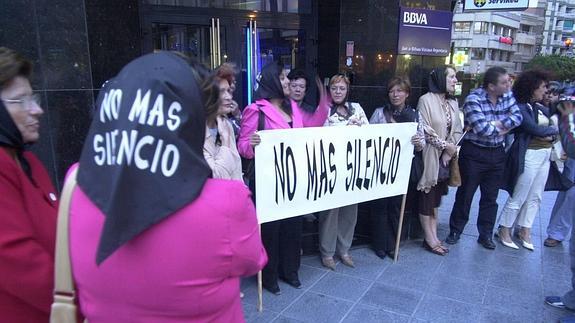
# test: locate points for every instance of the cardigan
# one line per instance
(186, 268)
(223, 156)
(274, 120)
(28, 213)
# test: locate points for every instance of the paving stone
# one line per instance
(368, 314)
(392, 298)
(313, 307)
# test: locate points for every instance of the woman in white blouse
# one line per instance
(337, 226)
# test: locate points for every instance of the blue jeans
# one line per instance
(561, 217)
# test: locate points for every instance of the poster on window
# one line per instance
(424, 32)
(301, 171)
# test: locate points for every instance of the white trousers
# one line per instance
(526, 198)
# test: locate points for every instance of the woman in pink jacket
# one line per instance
(153, 237)
(282, 238)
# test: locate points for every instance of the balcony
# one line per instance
(524, 38)
(569, 15)
(556, 43)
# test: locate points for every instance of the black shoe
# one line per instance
(274, 289)
(453, 237)
(487, 243)
(295, 283)
(380, 253)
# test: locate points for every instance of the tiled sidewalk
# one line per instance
(470, 284)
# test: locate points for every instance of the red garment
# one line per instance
(28, 214)
(185, 268)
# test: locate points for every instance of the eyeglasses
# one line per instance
(26, 101)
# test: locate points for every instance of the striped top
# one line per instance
(480, 115)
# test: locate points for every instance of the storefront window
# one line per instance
(291, 6)
(462, 27)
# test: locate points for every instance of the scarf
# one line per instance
(11, 137)
(143, 158)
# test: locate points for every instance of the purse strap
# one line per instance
(64, 291)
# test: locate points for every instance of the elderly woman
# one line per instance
(385, 211)
(27, 200)
(439, 118)
(153, 238)
(220, 146)
(281, 238)
(527, 164)
(337, 226)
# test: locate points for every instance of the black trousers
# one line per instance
(385, 222)
(282, 240)
(480, 167)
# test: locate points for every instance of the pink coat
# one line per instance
(184, 269)
(274, 120)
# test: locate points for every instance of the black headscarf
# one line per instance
(156, 165)
(437, 80)
(269, 85)
(11, 137)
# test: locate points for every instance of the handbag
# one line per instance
(556, 180)
(454, 174)
(250, 173)
(64, 308)
(443, 173)
(416, 168)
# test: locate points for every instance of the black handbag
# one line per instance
(416, 168)
(556, 181)
(250, 173)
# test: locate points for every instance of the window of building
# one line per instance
(478, 53)
(480, 27)
(525, 28)
(292, 6)
(462, 27)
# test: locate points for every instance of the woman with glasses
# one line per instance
(28, 200)
(337, 226)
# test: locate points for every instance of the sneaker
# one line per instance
(554, 301)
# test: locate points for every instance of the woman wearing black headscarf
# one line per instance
(27, 200)
(153, 238)
(439, 118)
(282, 238)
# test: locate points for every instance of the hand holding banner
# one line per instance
(301, 171)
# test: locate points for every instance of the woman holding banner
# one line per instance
(337, 226)
(385, 212)
(274, 110)
(439, 119)
(155, 241)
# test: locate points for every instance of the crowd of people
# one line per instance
(156, 225)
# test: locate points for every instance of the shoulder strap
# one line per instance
(261, 119)
(64, 291)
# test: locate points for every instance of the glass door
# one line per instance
(207, 44)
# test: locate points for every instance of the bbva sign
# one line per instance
(414, 18)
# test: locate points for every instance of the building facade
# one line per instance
(507, 39)
(559, 21)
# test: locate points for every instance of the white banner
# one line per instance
(301, 171)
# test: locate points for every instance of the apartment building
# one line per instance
(491, 38)
(559, 18)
